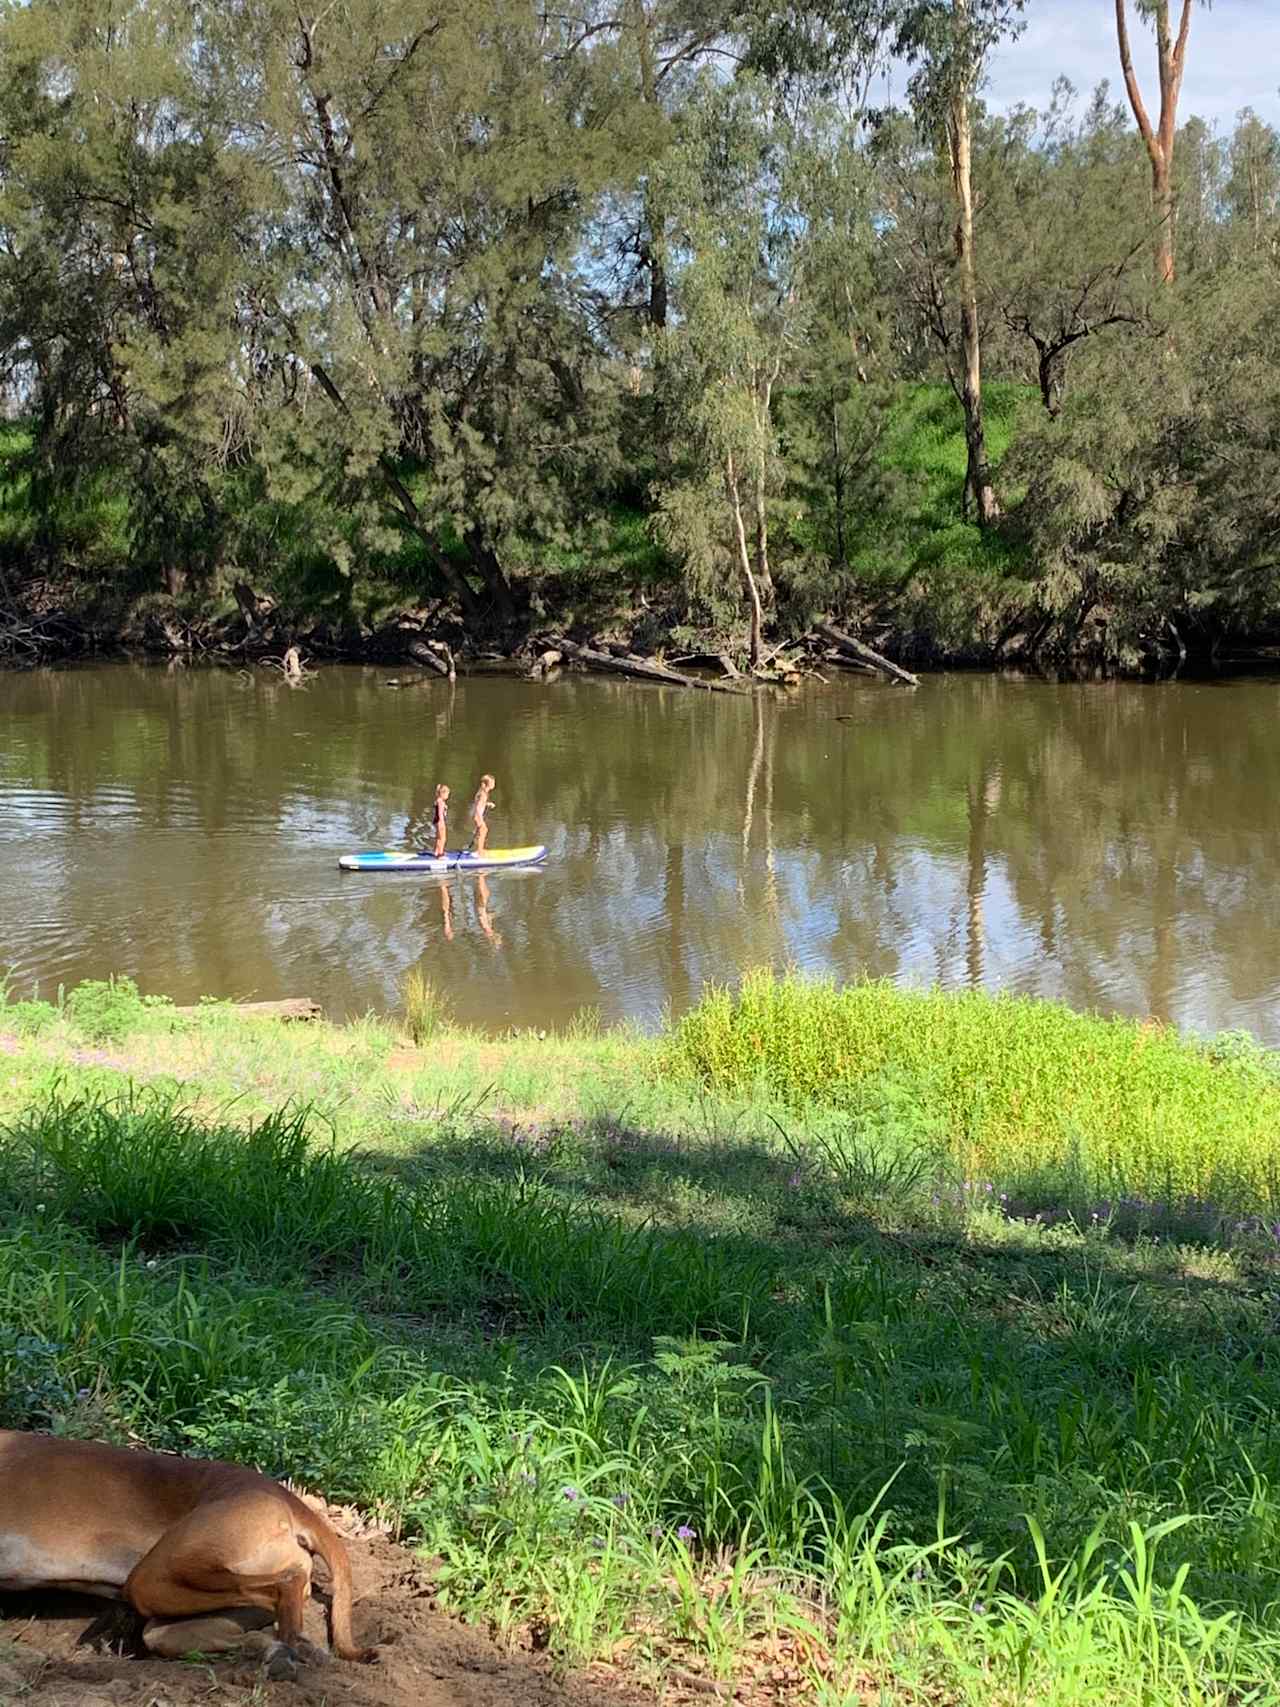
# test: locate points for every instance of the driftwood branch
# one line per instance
(429, 658)
(643, 669)
(842, 661)
(864, 654)
(295, 1007)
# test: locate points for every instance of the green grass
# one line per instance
(681, 1371)
(1004, 1086)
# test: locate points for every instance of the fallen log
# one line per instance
(421, 653)
(295, 1007)
(865, 654)
(728, 666)
(643, 669)
(844, 662)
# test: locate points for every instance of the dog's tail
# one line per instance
(326, 1541)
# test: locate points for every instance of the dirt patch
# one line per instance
(64, 1651)
(405, 1061)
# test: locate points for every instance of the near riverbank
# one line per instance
(916, 579)
(836, 1347)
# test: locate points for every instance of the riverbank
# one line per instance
(708, 1379)
(918, 580)
(51, 624)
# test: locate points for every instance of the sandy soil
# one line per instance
(59, 1650)
(65, 1651)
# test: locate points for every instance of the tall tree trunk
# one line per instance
(761, 402)
(837, 480)
(655, 240)
(490, 570)
(1159, 139)
(656, 247)
(1048, 388)
(733, 491)
(978, 483)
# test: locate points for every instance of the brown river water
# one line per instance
(1113, 846)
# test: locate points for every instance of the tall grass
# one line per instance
(699, 1349)
(425, 1007)
(687, 1395)
(1013, 1087)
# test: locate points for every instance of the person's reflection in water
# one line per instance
(482, 911)
(446, 911)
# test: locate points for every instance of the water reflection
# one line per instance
(1112, 845)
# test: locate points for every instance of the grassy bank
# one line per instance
(684, 1354)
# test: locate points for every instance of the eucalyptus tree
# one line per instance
(1158, 138)
(1253, 185)
(741, 295)
(948, 41)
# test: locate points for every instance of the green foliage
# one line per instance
(425, 1007)
(1144, 500)
(1016, 1087)
(579, 289)
(28, 1019)
(106, 1009)
(703, 1388)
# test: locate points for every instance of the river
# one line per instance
(1110, 845)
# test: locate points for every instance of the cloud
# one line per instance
(1233, 57)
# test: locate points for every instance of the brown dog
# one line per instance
(175, 1537)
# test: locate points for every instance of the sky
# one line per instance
(1233, 58)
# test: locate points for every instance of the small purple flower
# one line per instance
(571, 1494)
(795, 1179)
(686, 1534)
(979, 1606)
(528, 1478)
(655, 1533)
(622, 1501)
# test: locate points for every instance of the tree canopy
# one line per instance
(633, 312)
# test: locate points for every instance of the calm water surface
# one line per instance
(1114, 846)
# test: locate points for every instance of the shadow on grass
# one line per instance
(746, 1348)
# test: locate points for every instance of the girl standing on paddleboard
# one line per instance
(440, 818)
(479, 806)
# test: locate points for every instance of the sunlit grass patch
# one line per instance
(1014, 1088)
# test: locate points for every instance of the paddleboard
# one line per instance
(391, 859)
